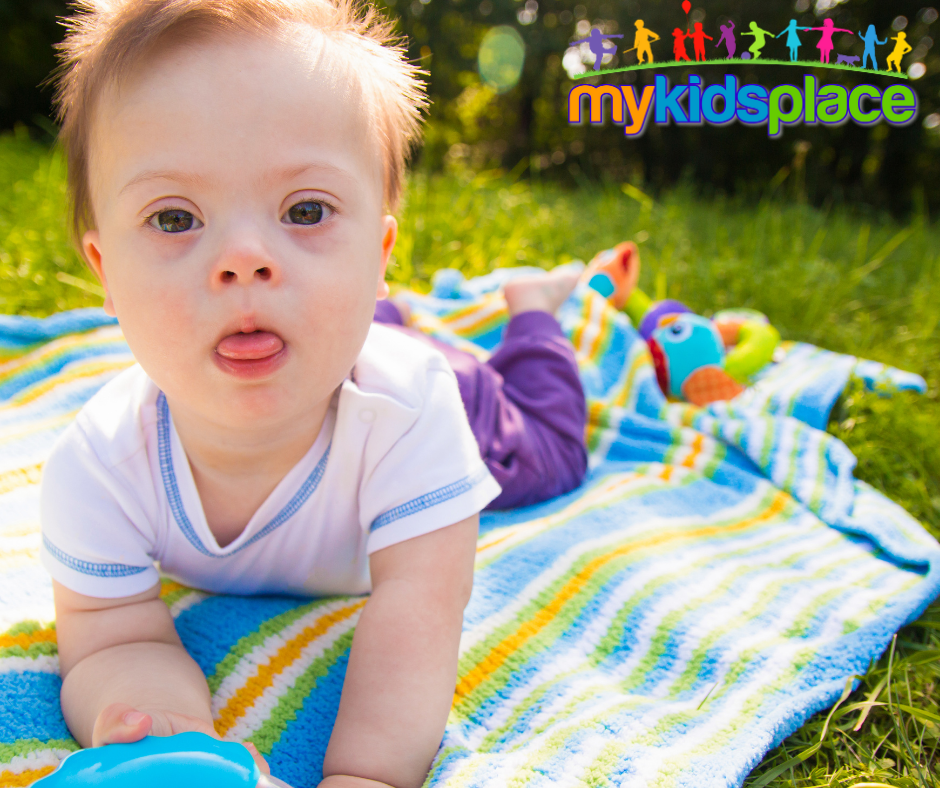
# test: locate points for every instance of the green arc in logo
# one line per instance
(804, 64)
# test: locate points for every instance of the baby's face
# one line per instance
(240, 230)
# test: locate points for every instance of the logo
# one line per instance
(806, 103)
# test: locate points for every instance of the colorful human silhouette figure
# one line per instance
(698, 37)
(727, 38)
(595, 42)
(793, 38)
(870, 38)
(678, 46)
(760, 39)
(641, 42)
(900, 50)
(825, 45)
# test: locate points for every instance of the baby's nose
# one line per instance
(244, 260)
(263, 273)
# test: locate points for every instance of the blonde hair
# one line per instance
(106, 38)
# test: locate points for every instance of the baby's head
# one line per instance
(233, 165)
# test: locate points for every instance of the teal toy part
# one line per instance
(688, 342)
(602, 283)
(186, 759)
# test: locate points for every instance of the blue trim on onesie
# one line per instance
(176, 501)
(88, 568)
(430, 499)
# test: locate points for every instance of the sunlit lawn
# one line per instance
(861, 285)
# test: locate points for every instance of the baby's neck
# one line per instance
(236, 471)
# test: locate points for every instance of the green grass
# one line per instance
(724, 63)
(852, 283)
(39, 271)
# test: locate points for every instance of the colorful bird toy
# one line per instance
(186, 759)
(696, 359)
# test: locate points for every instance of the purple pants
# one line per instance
(526, 406)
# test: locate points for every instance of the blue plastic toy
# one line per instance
(162, 762)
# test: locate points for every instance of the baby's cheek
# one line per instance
(349, 319)
(342, 317)
(160, 324)
(348, 291)
(167, 310)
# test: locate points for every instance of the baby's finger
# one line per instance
(259, 759)
(120, 724)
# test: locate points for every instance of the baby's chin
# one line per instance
(282, 403)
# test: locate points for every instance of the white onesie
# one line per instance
(395, 459)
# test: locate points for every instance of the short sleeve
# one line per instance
(432, 476)
(92, 539)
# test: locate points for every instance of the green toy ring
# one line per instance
(754, 350)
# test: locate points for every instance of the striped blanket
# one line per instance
(716, 580)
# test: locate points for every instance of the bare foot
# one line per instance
(540, 293)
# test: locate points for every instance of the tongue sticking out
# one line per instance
(249, 347)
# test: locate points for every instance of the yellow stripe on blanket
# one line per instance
(167, 587)
(23, 556)
(529, 629)
(245, 698)
(90, 369)
(696, 449)
(26, 639)
(641, 361)
(20, 477)
(481, 316)
(57, 347)
(12, 780)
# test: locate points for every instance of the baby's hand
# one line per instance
(121, 724)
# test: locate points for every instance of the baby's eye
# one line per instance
(307, 212)
(174, 220)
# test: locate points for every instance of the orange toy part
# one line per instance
(710, 384)
(622, 265)
(729, 330)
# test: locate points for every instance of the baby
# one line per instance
(234, 166)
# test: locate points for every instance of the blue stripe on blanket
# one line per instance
(35, 712)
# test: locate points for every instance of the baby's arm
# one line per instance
(125, 672)
(403, 663)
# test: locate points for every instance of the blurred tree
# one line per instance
(524, 127)
(28, 29)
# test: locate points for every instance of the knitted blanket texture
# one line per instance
(716, 580)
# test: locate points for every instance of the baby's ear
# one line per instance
(389, 234)
(91, 246)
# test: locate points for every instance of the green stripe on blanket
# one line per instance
(715, 581)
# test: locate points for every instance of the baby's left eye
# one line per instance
(307, 212)
(174, 220)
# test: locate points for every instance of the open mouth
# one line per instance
(250, 355)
